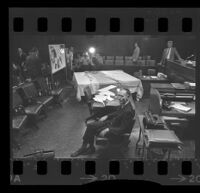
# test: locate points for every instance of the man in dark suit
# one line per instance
(113, 124)
(169, 53)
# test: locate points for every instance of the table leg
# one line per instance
(138, 138)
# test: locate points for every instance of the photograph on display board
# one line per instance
(57, 57)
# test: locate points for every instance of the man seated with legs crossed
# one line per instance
(113, 124)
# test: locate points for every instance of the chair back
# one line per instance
(88, 93)
(119, 62)
(17, 100)
(30, 90)
(110, 57)
(151, 72)
(109, 62)
(155, 101)
(41, 84)
(119, 57)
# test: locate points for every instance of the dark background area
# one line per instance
(121, 45)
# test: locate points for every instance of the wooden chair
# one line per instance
(119, 62)
(110, 57)
(33, 111)
(109, 62)
(19, 118)
(151, 72)
(155, 106)
(31, 95)
(42, 87)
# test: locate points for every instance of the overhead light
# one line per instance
(92, 50)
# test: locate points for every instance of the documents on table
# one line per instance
(180, 106)
(107, 88)
(178, 86)
(154, 77)
(107, 93)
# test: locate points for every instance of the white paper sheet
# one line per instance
(107, 88)
(180, 107)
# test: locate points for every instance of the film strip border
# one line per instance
(66, 171)
(164, 21)
(113, 21)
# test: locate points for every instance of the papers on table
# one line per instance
(154, 77)
(107, 93)
(107, 88)
(178, 86)
(180, 106)
(192, 84)
(103, 96)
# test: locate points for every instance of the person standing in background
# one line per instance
(71, 57)
(21, 58)
(33, 64)
(136, 52)
(169, 53)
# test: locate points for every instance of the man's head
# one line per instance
(125, 99)
(136, 44)
(170, 44)
(71, 49)
(20, 51)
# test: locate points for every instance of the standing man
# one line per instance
(169, 53)
(136, 52)
(71, 57)
(21, 58)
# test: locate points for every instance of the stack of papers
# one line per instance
(180, 107)
(103, 96)
(107, 88)
(154, 77)
(178, 86)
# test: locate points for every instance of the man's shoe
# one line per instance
(80, 151)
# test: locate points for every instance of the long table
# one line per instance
(99, 79)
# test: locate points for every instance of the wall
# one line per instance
(106, 45)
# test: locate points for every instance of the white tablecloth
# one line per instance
(99, 79)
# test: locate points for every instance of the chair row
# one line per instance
(125, 57)
(130, 62)
(30, 102)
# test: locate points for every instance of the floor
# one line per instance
(62, 131)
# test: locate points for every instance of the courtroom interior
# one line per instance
(103, 96)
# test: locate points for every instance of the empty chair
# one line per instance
(141, 62)
(151, 72)
(119, 57)
(110, 57)
(19, 115)
(155, 102)
(31, 94)
(21, 111)
(119, 62)
(109, 62)
(128, 57)
(42, 87)
(128, 62)
(150, 63)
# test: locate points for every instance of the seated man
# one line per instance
(113, 124)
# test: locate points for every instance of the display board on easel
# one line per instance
(57, 59)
